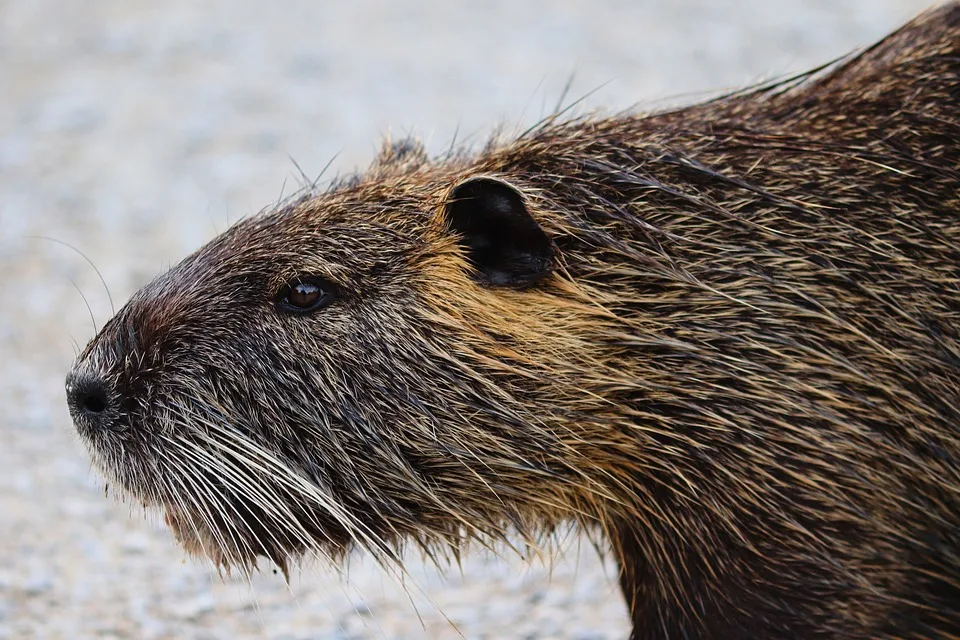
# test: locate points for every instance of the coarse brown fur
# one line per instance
(741, 366)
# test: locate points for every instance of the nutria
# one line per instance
(724, 338)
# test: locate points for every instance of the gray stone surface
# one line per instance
(134, 131)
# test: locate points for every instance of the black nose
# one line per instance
(88, 397)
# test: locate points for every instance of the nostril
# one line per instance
(92, 400)
(87, 396)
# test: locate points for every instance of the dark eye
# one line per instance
(304, 294)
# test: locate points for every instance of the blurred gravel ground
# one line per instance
(135, 130)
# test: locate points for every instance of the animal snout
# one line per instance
(91, 400)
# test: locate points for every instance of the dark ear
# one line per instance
(503, 241)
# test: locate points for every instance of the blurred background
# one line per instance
(134, 131)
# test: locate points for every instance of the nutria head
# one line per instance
(301, 380)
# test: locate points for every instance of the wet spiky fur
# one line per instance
(744, 371)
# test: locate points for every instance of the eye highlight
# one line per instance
(303, 295)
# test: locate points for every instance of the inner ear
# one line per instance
(502, 240)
